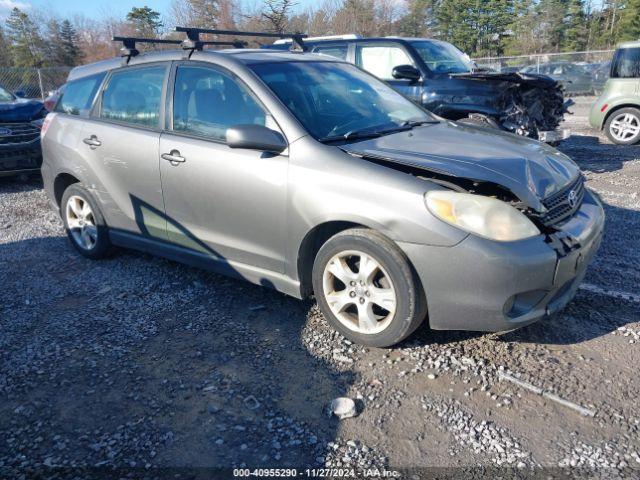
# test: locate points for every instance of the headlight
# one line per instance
(484, 216)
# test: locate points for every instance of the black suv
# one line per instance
(438, 76)
(20, 123)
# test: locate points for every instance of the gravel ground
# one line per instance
(160, 370)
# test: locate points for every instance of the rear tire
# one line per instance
(623, 126)
(84, 223)
(366, 288)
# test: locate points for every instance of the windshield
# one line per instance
(337, 99)
(442, 57)
(5, 95)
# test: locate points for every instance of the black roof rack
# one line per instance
(193, 36)
(193, 41)
(129, 44)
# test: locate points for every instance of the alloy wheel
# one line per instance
(359, 292)
(81, 222)
(625, 127)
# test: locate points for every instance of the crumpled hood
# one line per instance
(20, 110)
(529, 169)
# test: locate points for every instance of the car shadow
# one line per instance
(595, 154)
(187, 370)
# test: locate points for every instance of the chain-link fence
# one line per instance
(33, 82)
(581, 73)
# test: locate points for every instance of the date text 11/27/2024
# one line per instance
(314, 473)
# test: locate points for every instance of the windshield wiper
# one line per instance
(369, 133)
(355, 135)
(417, 123)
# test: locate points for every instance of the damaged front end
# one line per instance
(525, 104)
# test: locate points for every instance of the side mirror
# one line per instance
(255, 137)
(20, 93)
(408, 72)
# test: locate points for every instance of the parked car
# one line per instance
(20, 121)
(441, 78)
(573, 78)
(306, 174)
(617, 109)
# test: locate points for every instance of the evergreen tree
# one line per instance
(5, 53)
(26, 45)
(576, 32)
(145, 21)
(72, 54)
(418, 20)
(630, 21)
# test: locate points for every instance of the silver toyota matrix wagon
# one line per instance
(306, 174)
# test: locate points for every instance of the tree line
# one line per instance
(478, 27)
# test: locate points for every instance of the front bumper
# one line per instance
(20, 158)
(554, 136)
(484, 285)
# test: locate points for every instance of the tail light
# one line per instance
(45, 124)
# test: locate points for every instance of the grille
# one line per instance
(18, 133)
(564, 203)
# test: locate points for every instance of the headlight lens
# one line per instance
(484, 216)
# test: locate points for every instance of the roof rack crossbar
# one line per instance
(193, 35)
(129, 49)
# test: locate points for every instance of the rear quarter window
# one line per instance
(77, 96)
(626, 63)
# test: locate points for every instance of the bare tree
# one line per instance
(277, 13)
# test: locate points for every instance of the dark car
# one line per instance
(574, 78)
(20, 122)
(438, 76)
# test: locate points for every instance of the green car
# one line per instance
(617, 109)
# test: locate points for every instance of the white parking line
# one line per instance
(610, 293)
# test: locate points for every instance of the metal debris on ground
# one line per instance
(587, 412)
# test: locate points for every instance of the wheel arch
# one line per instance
(62, 181)
(311, 244)
(615, 108)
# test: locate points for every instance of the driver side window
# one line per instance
(380, 60)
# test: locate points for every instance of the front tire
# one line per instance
(623, 126)
(84, 223)
(366, 288)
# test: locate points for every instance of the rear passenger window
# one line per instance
(337, 51)
(206, 102)
(134, 96)
(380, 60)
(77, 96)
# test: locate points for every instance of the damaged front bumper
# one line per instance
(554, 136)
(485, 285)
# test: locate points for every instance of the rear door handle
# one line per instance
(173, 157)
(92, 141)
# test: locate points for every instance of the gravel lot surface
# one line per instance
(141, 364)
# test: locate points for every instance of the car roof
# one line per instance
(241, 56)
(632, 44)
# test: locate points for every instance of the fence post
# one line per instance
(538, 63)
(40, 84)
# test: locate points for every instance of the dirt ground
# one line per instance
(160, 370)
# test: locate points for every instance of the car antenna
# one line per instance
(193, 41)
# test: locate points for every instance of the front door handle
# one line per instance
(173, 157)
(92, 141)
